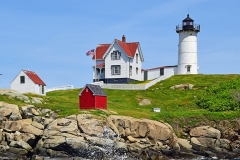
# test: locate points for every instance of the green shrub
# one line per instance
(224, 96)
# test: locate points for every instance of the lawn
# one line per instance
(176, 105)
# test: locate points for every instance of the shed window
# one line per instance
(116, 69)
(116, 55)
(42, 89)
(22, 79)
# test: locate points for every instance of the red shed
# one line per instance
(92, 97)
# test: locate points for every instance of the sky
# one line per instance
(51, 37)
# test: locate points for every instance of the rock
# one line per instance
(205, 131)
(37, 125)
(31, 139)
(196, 145)
(4, 148)
(184, 145)
(21, 144)
(223, 143)
(54, 142)
(5, 112)
(182, 86)
(90, 126)
(144, 102)
(132, 140)
(37, 100)
(16, 125)
(18, 151)
(11, 111)
(29, 111)
(32, 130)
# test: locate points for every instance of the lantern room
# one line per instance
(188, 25)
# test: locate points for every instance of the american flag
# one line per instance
(90, 52)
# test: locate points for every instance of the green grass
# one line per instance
(177, 106)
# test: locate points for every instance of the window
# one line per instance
(130, 70)
(136, 58)
(22, 79)
(116, 70)
(42, 89)
(116, 55)
(86, 89)
(137, 70)
(188, 68)
(161, 71)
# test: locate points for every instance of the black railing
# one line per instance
(196, 27)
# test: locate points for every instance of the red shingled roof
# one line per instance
(129, 48)
(34, 77)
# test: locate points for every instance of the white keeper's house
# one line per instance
(28, 82)
(121, 61)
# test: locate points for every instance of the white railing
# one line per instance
(60, 88)
(136, 86)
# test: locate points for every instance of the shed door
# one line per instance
(145, 75)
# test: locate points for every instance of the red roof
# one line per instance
(34, 77)
(129, 48)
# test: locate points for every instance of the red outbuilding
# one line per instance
(92, 97)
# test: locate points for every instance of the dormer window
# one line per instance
(115, 55)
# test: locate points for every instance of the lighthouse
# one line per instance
(187, 46)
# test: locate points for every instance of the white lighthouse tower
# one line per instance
(187, 47)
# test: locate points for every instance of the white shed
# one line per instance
(28, 81)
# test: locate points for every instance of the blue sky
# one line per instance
(51, 37)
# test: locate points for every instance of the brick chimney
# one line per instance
(124, 39)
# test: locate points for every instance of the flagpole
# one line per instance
(95, 65)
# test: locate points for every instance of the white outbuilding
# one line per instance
(28, 81)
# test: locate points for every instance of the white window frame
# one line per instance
(116, 55)
(22, 79)
(116, 69)
(136, 58)
(136, 70)
(130, 70)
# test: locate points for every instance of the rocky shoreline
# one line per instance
(28, 132)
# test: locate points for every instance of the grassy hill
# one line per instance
(176, 105)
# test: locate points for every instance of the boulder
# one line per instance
(21, 144)
(205, 131)
(32, 130)
(89, 125)
(184, 144)
(196, 145)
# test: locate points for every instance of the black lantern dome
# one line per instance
(188, 25)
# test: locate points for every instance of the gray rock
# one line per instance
(32, 130)
(205, 131)
(37, 100)
(21, 144)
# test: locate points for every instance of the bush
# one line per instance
(224, 96)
